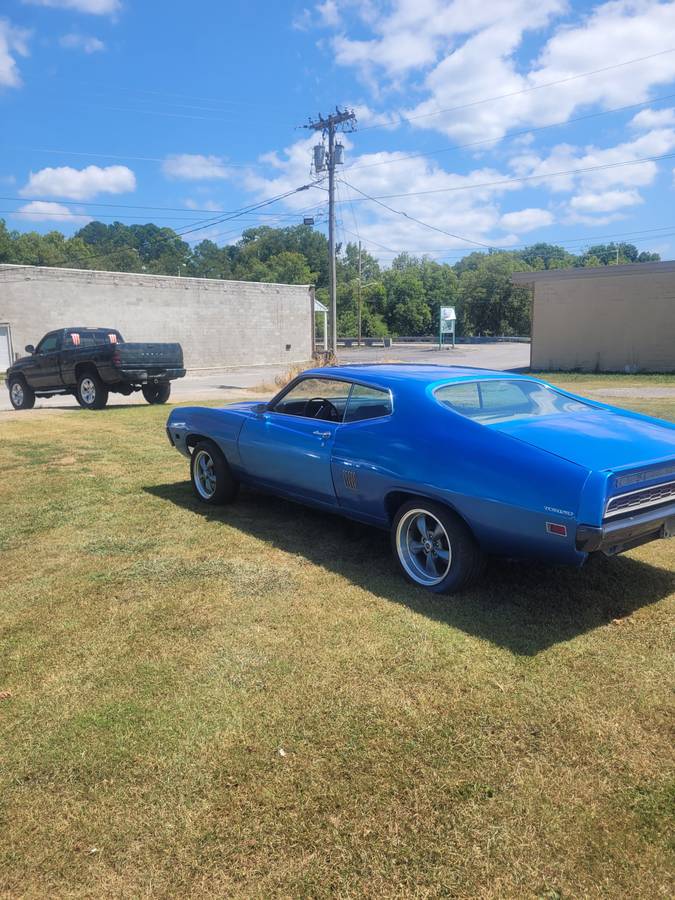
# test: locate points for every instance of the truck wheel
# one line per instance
(91, 392)
(157, 393)
(434, 547)
(20, 395)
(212, 479)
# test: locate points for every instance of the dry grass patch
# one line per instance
(155, 657)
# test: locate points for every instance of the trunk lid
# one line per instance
(596, 438)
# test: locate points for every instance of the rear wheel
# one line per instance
(21, 396)
(91, 393)
(157, 393)
(212, 478)
(434, 547)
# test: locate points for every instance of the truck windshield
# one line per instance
(495, 400)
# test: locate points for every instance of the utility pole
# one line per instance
(360, 306)
(343, 120)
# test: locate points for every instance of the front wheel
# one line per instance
(434, 547)
(157, 393)
(21, 396)
(212, 479)
(91, 393)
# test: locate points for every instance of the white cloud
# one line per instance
(653, 118)
(95, 7)
(13, 41)
(195, 167)
(526, 219)
(605, 201)
(329, 13)
(40, 211)
(564, 158)
(203, 204)
(82, 42)
(474, 214)
(461, 53)
(365, 116)
(79, 184)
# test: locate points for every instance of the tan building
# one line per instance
(605, 319)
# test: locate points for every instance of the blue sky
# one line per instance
(498, 124)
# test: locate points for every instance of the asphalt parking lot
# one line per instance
(230, 384)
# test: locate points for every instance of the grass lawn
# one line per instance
(253, 704)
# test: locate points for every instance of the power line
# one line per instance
(649, 235)
(121, 205)
(471, 187)
(138, 220)
(406, 215)
(509, 134)
(536, 87)
(198, 227)
(159, 159)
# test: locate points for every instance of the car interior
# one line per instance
(334, 401)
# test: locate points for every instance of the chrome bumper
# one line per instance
(627, 532)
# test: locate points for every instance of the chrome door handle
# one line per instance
(322, 434)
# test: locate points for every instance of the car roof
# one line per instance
(398, 374)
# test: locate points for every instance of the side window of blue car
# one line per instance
(367, 403)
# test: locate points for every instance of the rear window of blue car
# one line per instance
(495, 400)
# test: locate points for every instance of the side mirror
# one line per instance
(30, 348)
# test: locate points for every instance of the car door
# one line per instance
(288, 446)
(46, 374)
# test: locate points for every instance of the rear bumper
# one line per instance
(626, 533)
(142, 376)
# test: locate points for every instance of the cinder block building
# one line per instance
(604, 319)
(219, 323)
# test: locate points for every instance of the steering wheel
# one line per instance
(320, 408)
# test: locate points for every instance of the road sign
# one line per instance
(447, 319)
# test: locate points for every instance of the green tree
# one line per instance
(489, 303)
(289, 267)
(407, 312)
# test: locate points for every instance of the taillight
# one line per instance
(117, 358)
(555, 528)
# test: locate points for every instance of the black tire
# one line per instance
(91, 393)
(157, 393)
(21, 396)
(211, 476)
(429, 568)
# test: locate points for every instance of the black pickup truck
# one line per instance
(90, 363)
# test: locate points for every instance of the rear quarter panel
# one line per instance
(505, 490)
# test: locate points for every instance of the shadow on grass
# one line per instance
(522, 607)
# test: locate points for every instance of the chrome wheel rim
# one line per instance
(423, 547)
(17, 394)
(88, 391)
(204, 475)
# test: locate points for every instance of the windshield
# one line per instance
(495, 400)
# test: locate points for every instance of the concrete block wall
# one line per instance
(615, 323)
(218, 323)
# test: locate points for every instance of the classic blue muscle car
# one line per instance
(455, 462)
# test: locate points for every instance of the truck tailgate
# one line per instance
(150, 356)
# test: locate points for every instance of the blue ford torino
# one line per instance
(455, 462)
